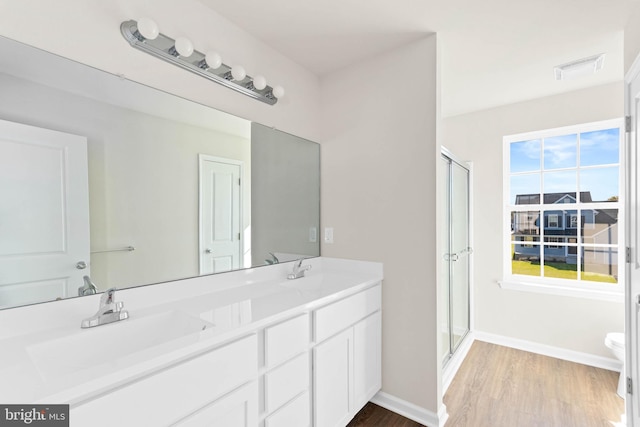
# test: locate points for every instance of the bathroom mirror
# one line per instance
(129, 185)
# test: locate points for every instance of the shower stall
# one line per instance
(455, 254)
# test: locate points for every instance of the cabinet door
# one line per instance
(238, 409)
(333, 379)
(366, 359)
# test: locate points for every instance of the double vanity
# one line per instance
(245, 348)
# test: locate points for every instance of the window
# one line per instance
(564, 206)
(527, 239)
(573, 221)
(553, 242)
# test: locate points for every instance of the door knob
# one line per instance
(81, 265)
(208, 250)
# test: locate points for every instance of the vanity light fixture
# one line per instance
(145, 35)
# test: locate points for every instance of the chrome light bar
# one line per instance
(163, 47)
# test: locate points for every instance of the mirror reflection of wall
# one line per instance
(286, 202)
(145, 176)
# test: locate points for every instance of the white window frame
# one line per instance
(556, 221)
(557, 286)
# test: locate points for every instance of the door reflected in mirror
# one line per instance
(152, 188)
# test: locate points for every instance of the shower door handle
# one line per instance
(451, 257)
(456, 255)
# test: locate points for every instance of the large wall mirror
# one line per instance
(128, 185)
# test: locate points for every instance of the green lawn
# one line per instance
(558, 270)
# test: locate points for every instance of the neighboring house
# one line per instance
(561, 226)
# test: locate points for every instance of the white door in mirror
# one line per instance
(44, 220)
(220, 214)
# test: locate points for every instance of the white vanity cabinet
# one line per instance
(346, 360)
(300, 353)
(201, 387)
(316, 368)
(288, 373)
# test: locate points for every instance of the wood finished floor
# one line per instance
(502, 387)
(374, 415)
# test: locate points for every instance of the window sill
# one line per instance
(551, 289)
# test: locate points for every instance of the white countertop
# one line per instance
(37, 363)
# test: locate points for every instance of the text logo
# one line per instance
(34, 415)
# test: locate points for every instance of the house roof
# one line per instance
(602, 216)
(551, 198)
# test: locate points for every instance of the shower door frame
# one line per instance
(453, 360)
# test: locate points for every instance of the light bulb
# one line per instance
(148, 28)
(213, 59)
(259, 82)
(278, 92)
(238, 73)
(184, 47)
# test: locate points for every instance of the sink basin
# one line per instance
(118, 344)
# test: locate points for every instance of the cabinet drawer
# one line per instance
(340, 315)
(175, 392)
(295, 413)
(238, 409)
(285, 382)
(286, 339)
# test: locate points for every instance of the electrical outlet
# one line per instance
(313, 234)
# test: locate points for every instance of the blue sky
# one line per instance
(595, 148)
(599, 147)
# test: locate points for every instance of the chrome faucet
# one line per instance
(89, 288)
(274, 259)
(298, 270)
(108, 312)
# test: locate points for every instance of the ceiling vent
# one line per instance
(579, 68)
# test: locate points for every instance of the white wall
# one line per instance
(378, 193)
(89, 32)
(143, 180)
(570, 323)
(632, 37)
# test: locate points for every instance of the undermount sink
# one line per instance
(119, 344)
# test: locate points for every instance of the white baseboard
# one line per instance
(410, 410)
(608, 363)
(449, 371)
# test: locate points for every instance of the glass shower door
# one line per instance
(456, 258)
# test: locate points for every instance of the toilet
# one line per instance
(615, 341)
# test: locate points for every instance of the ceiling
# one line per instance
(492, 52)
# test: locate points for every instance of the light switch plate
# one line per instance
(313, 234)
(328, 234)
